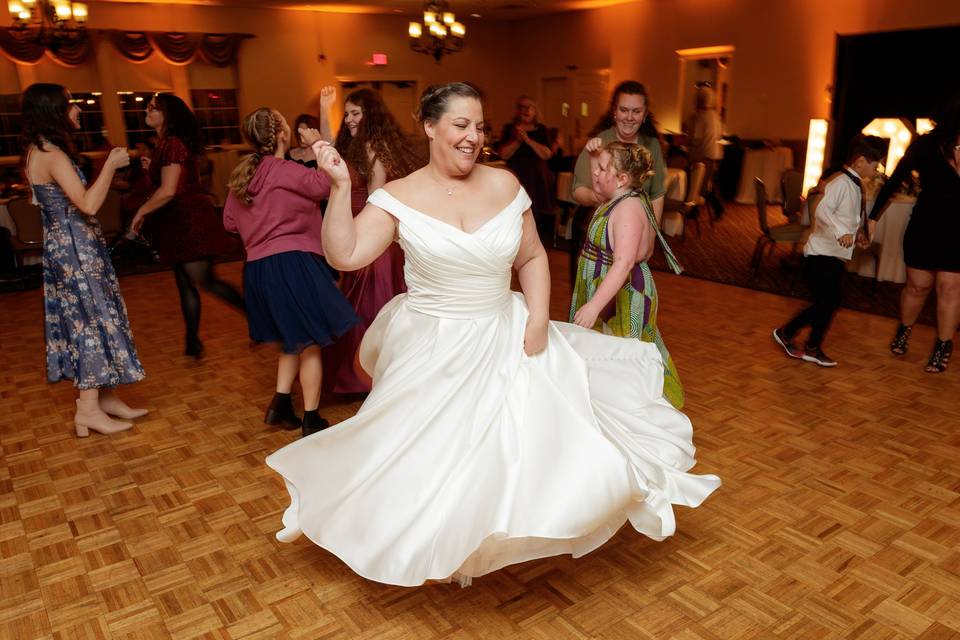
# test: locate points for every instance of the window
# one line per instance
(219, 116)
(10, 124)
(133, 104)
(91, 136)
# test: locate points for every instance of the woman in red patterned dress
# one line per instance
(183, 224)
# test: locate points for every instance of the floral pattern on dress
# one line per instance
(88, 337)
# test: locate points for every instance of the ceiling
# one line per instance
(491, 9)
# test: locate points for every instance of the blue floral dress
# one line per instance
(87, 332)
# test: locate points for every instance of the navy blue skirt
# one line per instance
(292, 299)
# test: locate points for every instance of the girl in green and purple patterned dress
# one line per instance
(614, 292)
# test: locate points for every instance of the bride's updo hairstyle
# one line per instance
(632, 159)
(435, 99)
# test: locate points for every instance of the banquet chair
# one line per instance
(791, 184)
(28, 240)
(770, 237)
(676, 213)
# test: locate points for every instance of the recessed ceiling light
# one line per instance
(474, 15)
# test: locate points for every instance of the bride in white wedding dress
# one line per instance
(492, 435)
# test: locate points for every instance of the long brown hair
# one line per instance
(45, 116)
(261, 129)
(379, 132)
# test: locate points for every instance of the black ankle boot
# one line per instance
(280, 412)
(312, 422)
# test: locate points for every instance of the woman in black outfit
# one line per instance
(930, 242)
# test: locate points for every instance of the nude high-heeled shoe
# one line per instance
(116, 407)
(89, 417)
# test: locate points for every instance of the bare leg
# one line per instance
(915, 292)
(287, 371)
(311, 375)
(948, 304)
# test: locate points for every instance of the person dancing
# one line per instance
(628, 119)
(491, 435)
(88, 336)
(274, 204)
(929, 246)
(183, 224)
(615, 292)
(376, 150)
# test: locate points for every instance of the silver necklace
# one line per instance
(450, 190)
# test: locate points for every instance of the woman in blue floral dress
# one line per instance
(88, 338)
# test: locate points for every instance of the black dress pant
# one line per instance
(825, 275)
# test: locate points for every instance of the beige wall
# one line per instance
(782, 66)
(783, 62)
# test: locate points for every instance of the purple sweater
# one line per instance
(285, 213)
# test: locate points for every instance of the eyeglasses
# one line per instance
(151, 107)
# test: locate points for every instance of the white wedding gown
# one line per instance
(468, 455)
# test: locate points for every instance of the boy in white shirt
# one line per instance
(837, 219)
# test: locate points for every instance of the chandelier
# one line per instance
(53, 23)
(440, 32)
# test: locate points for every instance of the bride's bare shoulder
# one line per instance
(496, 178)
(404, 187)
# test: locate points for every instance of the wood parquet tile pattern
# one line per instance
(839, 516)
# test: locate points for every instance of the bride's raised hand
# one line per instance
(332, 164)
(535, 336)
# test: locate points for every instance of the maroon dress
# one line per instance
(367, 289)
(187, 228)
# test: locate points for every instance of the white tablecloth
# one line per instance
(768, 165)
(564, 182)
(676, 184)
(885, 262)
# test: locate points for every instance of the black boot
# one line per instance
(280, 412)
(312, 422)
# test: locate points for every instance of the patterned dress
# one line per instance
(633, 311)
(88, 337)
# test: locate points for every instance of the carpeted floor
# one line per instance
(722, 254)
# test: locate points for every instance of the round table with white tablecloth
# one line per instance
(676, 184)
(768, 165)
(884, 259)
(888, 265)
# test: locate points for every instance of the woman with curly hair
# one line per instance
(88, 337)
(614, 292)
(376, 150)
(183, 223)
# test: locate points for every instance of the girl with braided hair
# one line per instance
(291, 298)
(376, 150)
(614, 290)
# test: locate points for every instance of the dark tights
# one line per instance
(200, 272)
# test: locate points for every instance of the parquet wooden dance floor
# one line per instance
(839, 516)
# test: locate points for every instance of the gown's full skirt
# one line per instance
(468, 455)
